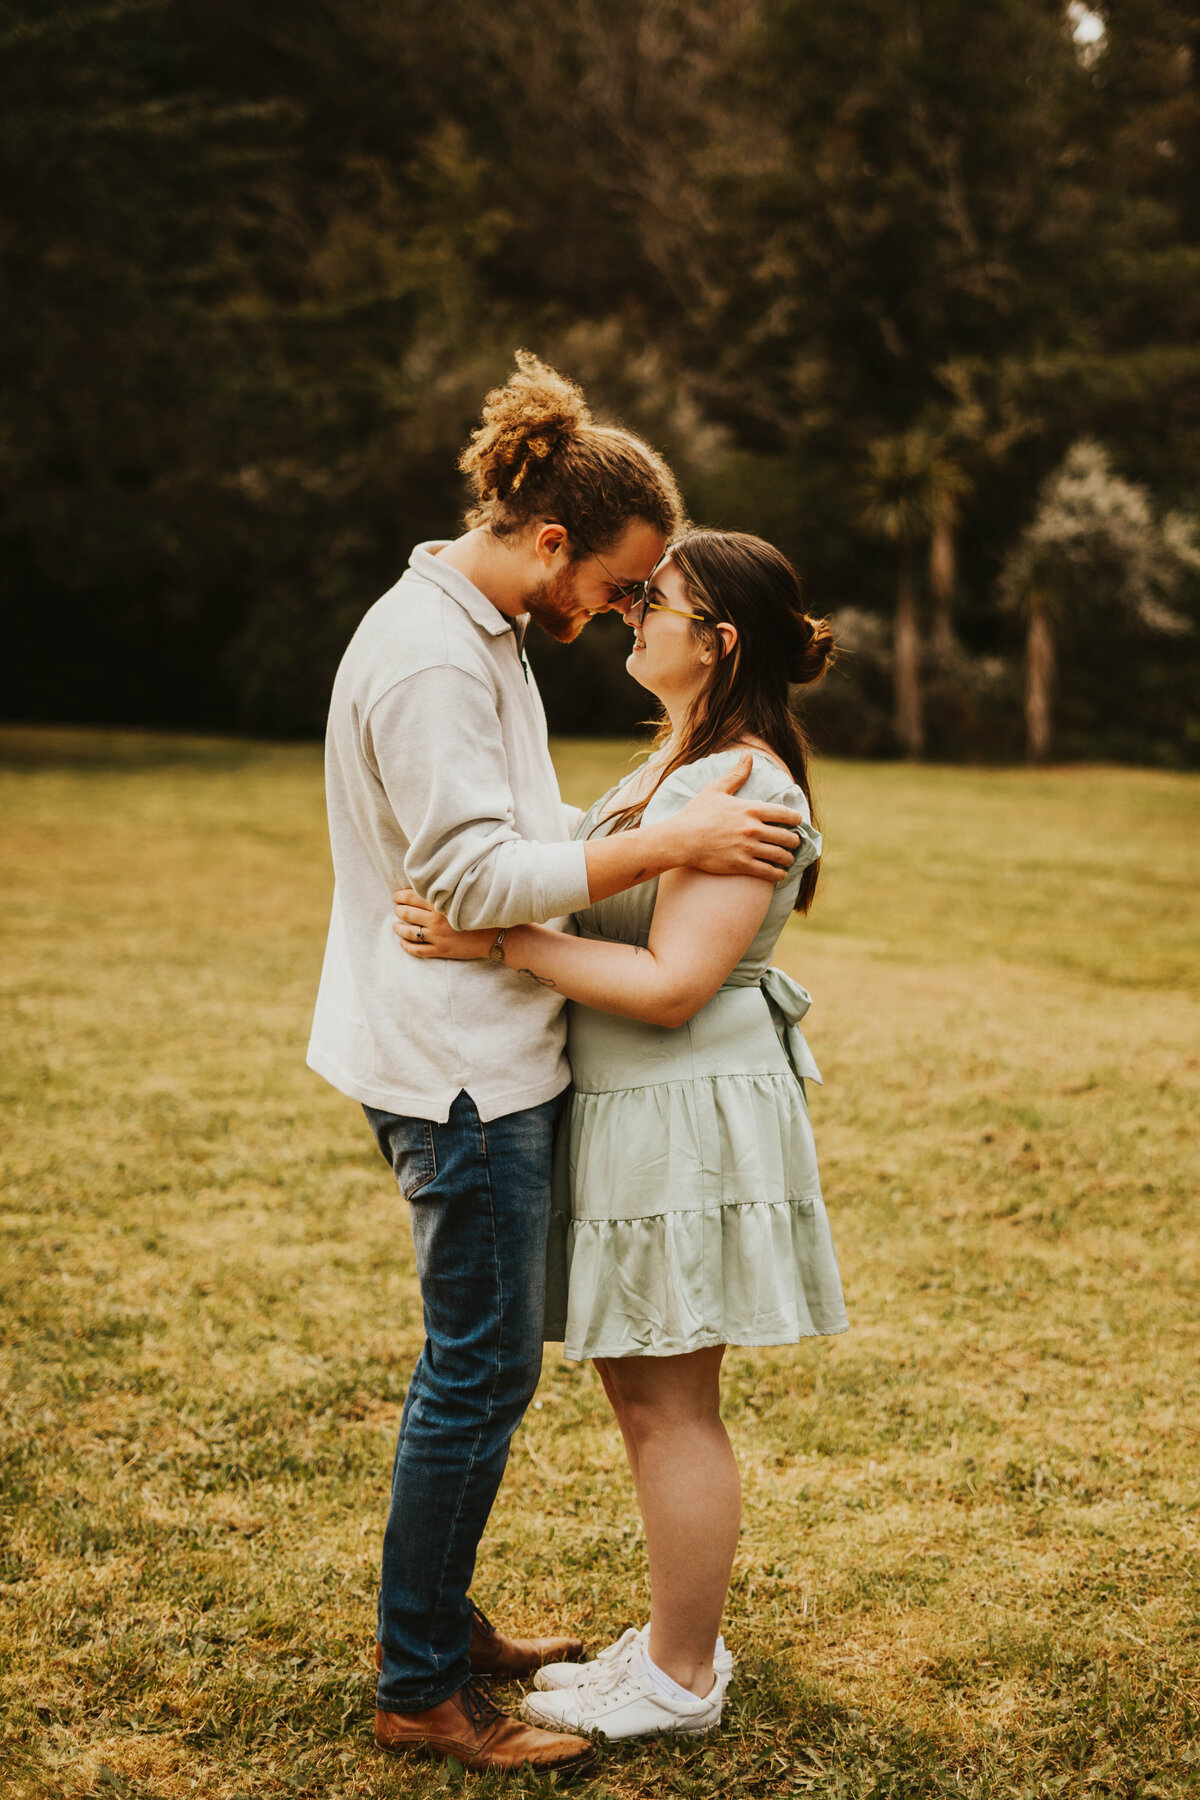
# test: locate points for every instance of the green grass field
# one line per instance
(969, 1557)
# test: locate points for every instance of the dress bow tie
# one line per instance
(788, 1003)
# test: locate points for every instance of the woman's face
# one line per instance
(670, 656)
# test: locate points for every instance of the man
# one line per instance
(439, 778)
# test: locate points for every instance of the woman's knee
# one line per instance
(653, 1396)
(650, 1417)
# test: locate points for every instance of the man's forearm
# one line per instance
(629, 857)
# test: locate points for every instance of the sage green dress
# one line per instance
(686, 1205)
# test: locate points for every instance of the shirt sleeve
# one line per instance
(435, 742)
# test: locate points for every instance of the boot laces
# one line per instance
(481, 1619)
(478, 1704)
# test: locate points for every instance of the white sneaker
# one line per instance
(564, 1675)
(621, 1701)
(552, 1676)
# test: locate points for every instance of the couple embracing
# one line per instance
(572, 1050)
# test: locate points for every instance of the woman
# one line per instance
(688, 1211)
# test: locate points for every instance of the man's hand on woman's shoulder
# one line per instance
(724, 834)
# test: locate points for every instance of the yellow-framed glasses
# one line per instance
(637, 612)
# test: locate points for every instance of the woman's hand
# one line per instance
(423, 932)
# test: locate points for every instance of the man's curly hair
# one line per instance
(537, 454)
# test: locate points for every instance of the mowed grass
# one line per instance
(969, 1557)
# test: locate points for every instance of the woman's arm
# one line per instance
(701, 928)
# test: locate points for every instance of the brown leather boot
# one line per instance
(502, 1658)
(471, 1727)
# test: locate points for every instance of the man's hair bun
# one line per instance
(527, 422)
(538, 456)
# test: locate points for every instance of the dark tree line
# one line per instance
(868, 271)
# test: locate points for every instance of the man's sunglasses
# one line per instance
(638, 593)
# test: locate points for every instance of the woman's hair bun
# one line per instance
(812, 650)
(527, 421)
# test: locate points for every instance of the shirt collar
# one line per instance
(454, 583)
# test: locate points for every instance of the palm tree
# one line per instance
(1039, 676)
(949, 484)
(1093, 539)
(910, 494)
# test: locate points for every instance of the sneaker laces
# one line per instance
(628, 1677)
(613, 1656)
(612, 1677)
(619, 1652)
(478, 1704)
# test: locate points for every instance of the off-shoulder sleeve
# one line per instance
(766, 782)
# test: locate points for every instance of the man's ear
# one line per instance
(550, 545)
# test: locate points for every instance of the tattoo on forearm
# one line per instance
(542, 980)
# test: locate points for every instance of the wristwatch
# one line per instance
(496, 953)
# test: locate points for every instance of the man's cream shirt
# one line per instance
(438, 777)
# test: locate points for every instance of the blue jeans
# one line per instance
(480, 1200)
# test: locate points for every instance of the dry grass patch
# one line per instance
(969, 1561)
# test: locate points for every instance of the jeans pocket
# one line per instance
(413, 1155)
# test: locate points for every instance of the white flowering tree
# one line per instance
(1093, 541)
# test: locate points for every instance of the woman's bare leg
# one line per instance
(668, 1408)
(602, 1367)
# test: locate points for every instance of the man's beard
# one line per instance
(554, 607)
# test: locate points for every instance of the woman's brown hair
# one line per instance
(538, 454)
(736, 579)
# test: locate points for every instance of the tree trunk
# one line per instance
(942, 575)
(907, 669)
(1039, 680)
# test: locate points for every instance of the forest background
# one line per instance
(867, 271)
